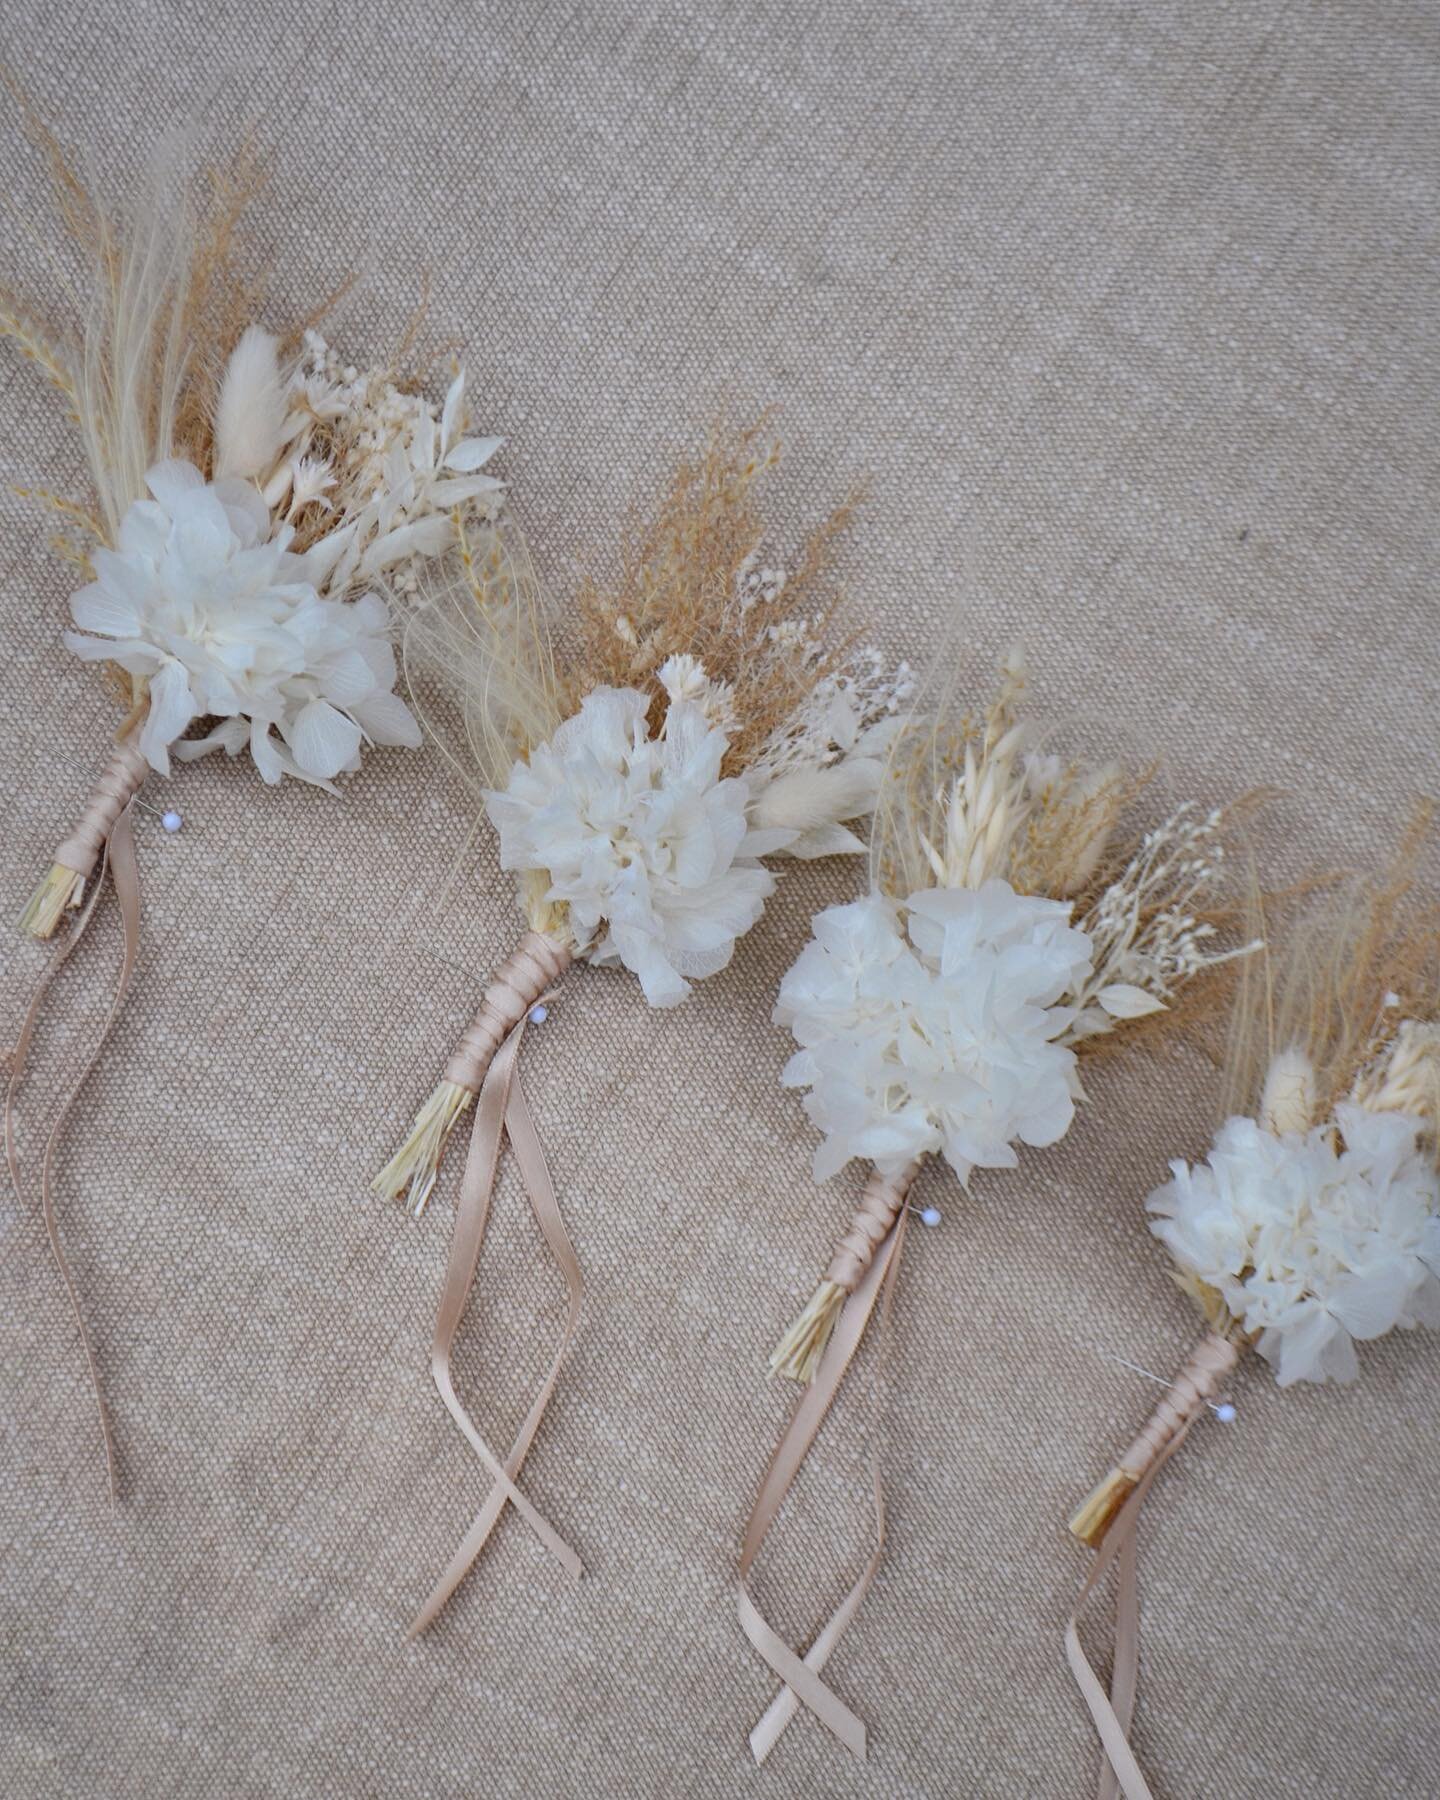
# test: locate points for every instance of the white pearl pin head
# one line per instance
(1225, 1413)
(539, 1014)
(930, 1215)
(171, 820)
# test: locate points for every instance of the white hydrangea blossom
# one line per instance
(640, 837)
(1314, 1241)
(223, 620)
(932, 1025)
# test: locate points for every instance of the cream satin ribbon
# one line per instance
(802, 1675)
(499, 1109)
(118, 855)
(1213, 1358)
(1114, 1713)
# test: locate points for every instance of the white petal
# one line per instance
(99, 609)
(826, 840)
(172, 707)
(452, 417)
(471, 454)
(172, 482)
(385, 719)
(324, 740)
(318, 562)
(1122, 1000)
(230, 735)
(425, 537)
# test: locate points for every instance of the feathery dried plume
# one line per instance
(252, 408)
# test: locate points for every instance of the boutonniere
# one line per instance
(642, 755)
(1311, 1227)
(248, 490)
(1012, 927)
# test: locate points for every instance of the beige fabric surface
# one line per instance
(1130, 311)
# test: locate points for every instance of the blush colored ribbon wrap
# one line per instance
(104, 835)
(866, 1265)
(500, 1110)
(1212, 1359)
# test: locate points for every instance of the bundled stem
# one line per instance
(77, 856)
(1206, 1367)
(526, 975)
(799, 1352)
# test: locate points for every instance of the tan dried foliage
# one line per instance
(677, 592)
(223, 296)
(1355, 969)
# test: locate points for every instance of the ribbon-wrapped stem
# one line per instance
(1194, 1388)
(501, 1112)
(76, 858)
(1107, 1521)
(531, 969)
(799, 1352)
(862, 1272)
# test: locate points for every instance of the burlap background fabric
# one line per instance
(1130, 312)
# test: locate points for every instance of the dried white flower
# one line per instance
(1148, 939)
(1313, 1239)
(639, 837)
(933, 1025)
(223, 620)
(824, 765)
(684, 678)
(311, 478)
(402, 468)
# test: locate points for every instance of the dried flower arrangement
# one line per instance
(704, 711)
(248, 492)
(1008, 932)
(712, 713)
(1314, 1221)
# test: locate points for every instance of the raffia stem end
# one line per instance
(410, 1173)
(57, 893)
(1093, 1519)
(799, 1352)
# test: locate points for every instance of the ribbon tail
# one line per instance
(119, 858)
(801, 1677)
(500, 1109)
(1113, 1713)
(782, 1709)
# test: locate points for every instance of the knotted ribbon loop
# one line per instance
(535, 964)
(118, 854)
(802, 1676)
(117, 786)
(501, 1109)
(1168, 1427)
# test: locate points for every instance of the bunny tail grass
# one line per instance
(1094, 1518)
(60, 890)
(410, 1173)
(798, 1353)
